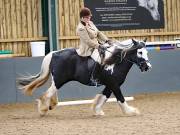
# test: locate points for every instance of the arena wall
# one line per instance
(164, 76)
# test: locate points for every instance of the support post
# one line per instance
(45, 23)
(53, 25)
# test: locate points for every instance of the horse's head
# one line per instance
(152, 7)
(139, 55)
(129, 50)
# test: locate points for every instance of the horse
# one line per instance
(66, 65)
(152, 7)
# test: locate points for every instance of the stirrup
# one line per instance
(94, 82)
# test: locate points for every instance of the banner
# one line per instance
(126, 14)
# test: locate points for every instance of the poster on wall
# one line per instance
(126, 14)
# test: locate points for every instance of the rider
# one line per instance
(90, 36)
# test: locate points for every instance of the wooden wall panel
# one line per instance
(68, 37)
(21, 23)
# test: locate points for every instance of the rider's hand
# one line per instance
(83, 23)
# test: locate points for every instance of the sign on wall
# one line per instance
(126, 14)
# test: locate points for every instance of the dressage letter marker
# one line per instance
(80, 102)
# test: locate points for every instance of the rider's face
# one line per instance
(87, 18)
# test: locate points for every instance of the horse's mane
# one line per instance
(119, 52)
(116, 57)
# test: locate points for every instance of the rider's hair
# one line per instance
(85, 12)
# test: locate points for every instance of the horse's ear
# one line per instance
(145, 40)
(134, 42)
(135, 46)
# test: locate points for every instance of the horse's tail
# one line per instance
(29, 83)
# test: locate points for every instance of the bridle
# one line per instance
(139, 63)
(123, 55)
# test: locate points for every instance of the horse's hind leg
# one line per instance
(53, 101)
(100, 100)
(48, 100)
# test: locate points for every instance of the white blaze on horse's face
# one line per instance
(143, 53)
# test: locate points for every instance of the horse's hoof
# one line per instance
(132, 112)
(137, 112)
(42, 110)
(42, 115)
(99, 113)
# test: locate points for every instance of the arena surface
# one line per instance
(160, 115)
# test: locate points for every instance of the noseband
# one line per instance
(138, 63)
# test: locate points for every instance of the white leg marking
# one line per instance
(129, 110)
(44, 101)
(99, 101)
(52, 90)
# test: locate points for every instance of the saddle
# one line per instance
(99, 54)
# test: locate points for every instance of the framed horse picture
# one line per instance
(127, 14)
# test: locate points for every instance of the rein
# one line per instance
(130, 61)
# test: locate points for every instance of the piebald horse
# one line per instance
(66, 65)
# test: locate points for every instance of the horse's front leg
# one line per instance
(128, 110)
(100, 100)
